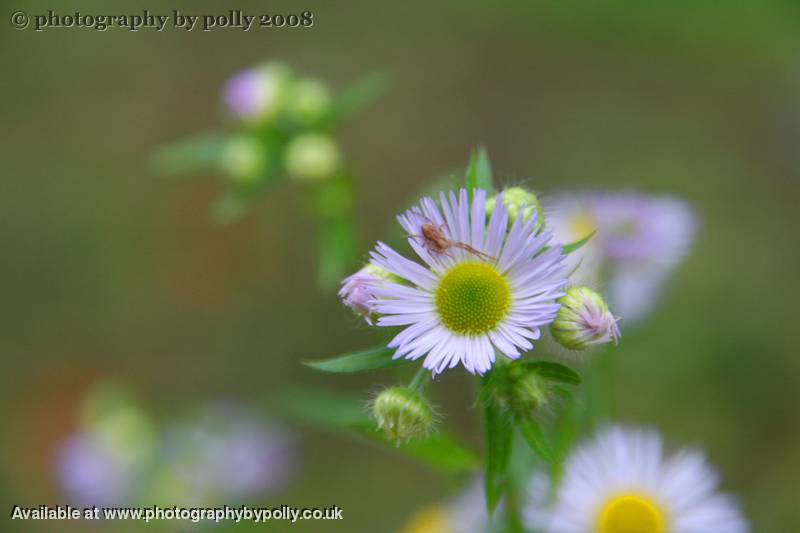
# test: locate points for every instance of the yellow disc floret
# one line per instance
(631, 513)
(472, 298)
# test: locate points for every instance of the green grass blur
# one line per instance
(109, 271)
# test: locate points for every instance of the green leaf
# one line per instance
(371, 359)
(479, 172)
(499, 433)
(537, 440)
(574, 246)
(555, 371)
(349, 415)
(322, 408)
(440, 450)
(194, 154)
(359, 95)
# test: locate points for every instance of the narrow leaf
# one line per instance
(194, 154)
(350, 416)
(574, 246)
(359, 95)
(537, 440)
(439, 450)
(371, 359)
(479, 172)
(555, 371)
(499, 433)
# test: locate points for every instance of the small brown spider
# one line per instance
(433, 240)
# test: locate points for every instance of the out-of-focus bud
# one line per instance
(259, 94)
(112, 414)
(310, 101)
(243, 159)
(516, 388)
(583, 320)
(357, 289)
(312, 157)
(403, 414)
(518, 200)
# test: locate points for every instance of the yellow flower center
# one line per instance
(581, 226)
(631, 513)
(429, 520)
(472, 298)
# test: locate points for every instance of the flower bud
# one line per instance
(357, 289)
(310, 101)
(243, 159)
(583, 320)
(518, 200)
(312, 157)
(516, 388)
(403, 414)
(259, 94)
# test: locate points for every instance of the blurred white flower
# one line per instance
(621, 482)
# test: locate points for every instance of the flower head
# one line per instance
(463, 513)
(243, 159)
(403, 414)
(227, 454)
(90, 473)
(102, 462)
(583, 320)
(518, 201)
(257, 95)
(312, 157)
(357, 290)
(310, 101)
(620, 482)
(638, 239)
(484, 288)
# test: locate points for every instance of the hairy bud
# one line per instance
(583, 320)
(403, 414)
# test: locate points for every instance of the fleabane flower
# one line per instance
(258, 94)
(483, 287)
(583, 320)
(621, 482)
(357, 290)
(463, 513)
(228, 453)
(639, 238)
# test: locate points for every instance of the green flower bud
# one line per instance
(310, 102)
(516, 388)
(113, 416)
(583, 320)
(243, 159)
(403, 414)
(312, 157)
(518, 200)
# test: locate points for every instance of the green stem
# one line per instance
(420, 379)
(512, 509)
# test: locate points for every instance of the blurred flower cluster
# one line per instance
(280, 126)
(119, 455)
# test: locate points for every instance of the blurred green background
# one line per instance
(109, 271)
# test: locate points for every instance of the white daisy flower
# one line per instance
(484, 288)
(620, 482)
